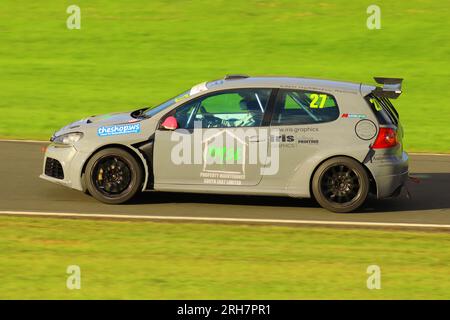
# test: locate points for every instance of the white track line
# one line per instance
(25, 141)
(428, 154)
(239, 220)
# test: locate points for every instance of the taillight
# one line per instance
(387, 138)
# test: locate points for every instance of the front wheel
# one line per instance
(340, 184)
(113, 176)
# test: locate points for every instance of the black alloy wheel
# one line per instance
(340, 184)
(113, 176)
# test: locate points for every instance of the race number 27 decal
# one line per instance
(315, 98)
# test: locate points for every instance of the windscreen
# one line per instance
(151, 112)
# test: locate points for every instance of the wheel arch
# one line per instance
(372, 181)
(134, 152)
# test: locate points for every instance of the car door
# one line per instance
(299, 126)
(219, 140)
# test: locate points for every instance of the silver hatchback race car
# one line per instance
(279, 136)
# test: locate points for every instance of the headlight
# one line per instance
(68, 138)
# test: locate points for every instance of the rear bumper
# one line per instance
(388, 186)
(390, 173)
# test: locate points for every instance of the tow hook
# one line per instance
(412, 179)
(408, 194)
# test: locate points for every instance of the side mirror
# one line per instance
(170, 123)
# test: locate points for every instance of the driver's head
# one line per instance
(246, 95)
(249, 101)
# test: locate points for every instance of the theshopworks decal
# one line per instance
(119, 129)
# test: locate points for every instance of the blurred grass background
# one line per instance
(134, 53)
(130, 260)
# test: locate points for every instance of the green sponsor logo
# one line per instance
(224, 154)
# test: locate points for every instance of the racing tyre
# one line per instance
(113, 176)
(340, 185)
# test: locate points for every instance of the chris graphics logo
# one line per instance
(119, 129)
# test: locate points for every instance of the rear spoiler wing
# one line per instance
(392, 87)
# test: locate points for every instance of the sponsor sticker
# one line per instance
(304, 140)
(354, 115)
(119, 129)
(198, 88)
(182, 97)
(302, 130)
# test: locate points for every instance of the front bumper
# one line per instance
(390, 173)
(71, 162)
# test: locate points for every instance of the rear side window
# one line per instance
(303, 107)
(384, 110)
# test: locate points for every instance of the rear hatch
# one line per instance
(379, 100)
(386, 113)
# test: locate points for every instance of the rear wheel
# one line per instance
(113, 176)
(340, 184)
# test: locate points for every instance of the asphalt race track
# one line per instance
(22, 191)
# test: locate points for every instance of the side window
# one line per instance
(303, 107)
(232, 108)
(185, 114)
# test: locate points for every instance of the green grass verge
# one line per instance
(129, 260)
(136, 53)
